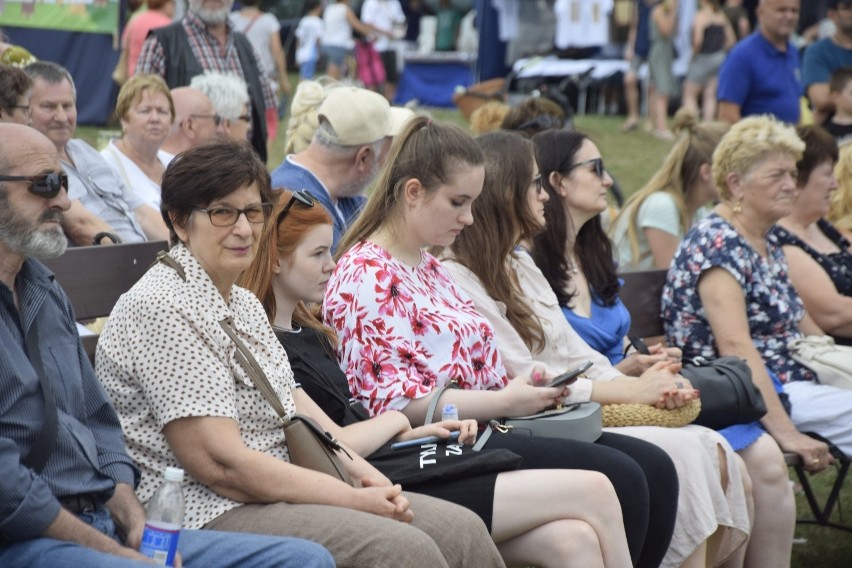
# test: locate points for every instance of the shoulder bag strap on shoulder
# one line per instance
(433, 404)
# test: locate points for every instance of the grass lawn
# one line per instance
(632, 158)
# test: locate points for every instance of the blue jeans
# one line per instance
(198, 548)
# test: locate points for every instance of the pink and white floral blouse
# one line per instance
(403, 331)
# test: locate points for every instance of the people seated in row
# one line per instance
(101, 204)
(68, 497)
(818, 256)
(491, 261)
(654, 220)
(575, 256)
(289, 272)
(184, 398)
(405, 329)
(146, 111)
(728, 293)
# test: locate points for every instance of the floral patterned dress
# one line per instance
(773, 307)
(404, 331)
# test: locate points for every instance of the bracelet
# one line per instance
(112, 236)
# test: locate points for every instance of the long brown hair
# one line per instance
(502, 217)
(280, 240)
(425, 150)
(679, 172)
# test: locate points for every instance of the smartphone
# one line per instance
(639, 345)
(569, 377)
(454, 436)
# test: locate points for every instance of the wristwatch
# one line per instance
(112, 236)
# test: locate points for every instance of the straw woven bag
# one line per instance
(647, 415)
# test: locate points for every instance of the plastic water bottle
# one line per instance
(450, 412)
(165, 518)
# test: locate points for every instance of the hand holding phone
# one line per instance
(454, 436)
(567, 378)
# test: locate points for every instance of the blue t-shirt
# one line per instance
(821, 59)
(761, 79)
(605, 330)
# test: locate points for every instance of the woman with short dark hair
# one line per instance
(15, 90)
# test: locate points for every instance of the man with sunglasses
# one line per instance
(66, 482)
(347, 152)
(196, 122)
(101, 205)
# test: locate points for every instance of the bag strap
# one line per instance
(46, 441)
(433, 404)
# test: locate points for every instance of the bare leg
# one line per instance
(557, 544)
(333, 71)
(774, 505)
(631, 97)
(529, 500)
(737, 558)
(690, 95)
(710, 98)
(659, 115)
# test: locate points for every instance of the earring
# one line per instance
(738, 207)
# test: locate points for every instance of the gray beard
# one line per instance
(26, 239)
(212, 17)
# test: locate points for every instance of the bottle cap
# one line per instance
(174, 474)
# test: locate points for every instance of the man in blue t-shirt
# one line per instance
(827, 55)
(346, 153)
(761, 74)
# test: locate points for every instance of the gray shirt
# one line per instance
(101, 191)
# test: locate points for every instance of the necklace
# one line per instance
(296, 328)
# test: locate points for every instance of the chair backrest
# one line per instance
(95, 277)
(641, 295)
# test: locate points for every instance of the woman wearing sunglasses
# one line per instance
(184, 397)
(404, 329)
(491, 261)
(290, 272)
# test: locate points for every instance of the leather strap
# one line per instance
(41, 450)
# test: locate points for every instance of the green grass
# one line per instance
(632, 158)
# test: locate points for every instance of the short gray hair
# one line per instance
(51, 73)
(228, 92)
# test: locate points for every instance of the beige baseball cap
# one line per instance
(359, 116)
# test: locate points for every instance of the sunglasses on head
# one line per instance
(44, 185)
(544, 122)
(598, 164)
(303, 197)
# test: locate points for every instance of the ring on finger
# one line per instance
(679, 384)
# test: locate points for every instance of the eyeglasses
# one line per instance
(599, 170)
(544, 122)
(26, 108)
(303, 197)
(537, 182)
(227, 216)
(46, 186)
(217, 120)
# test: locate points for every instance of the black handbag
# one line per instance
(728, 394)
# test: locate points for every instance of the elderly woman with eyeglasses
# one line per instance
(184, 397)
(147, 111)
(15, 90)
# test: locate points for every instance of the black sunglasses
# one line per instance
(303, 197)
(44, 185)
(599, 169)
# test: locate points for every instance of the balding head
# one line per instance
(194, 120)
(19, 142)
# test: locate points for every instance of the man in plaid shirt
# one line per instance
(204, 41)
